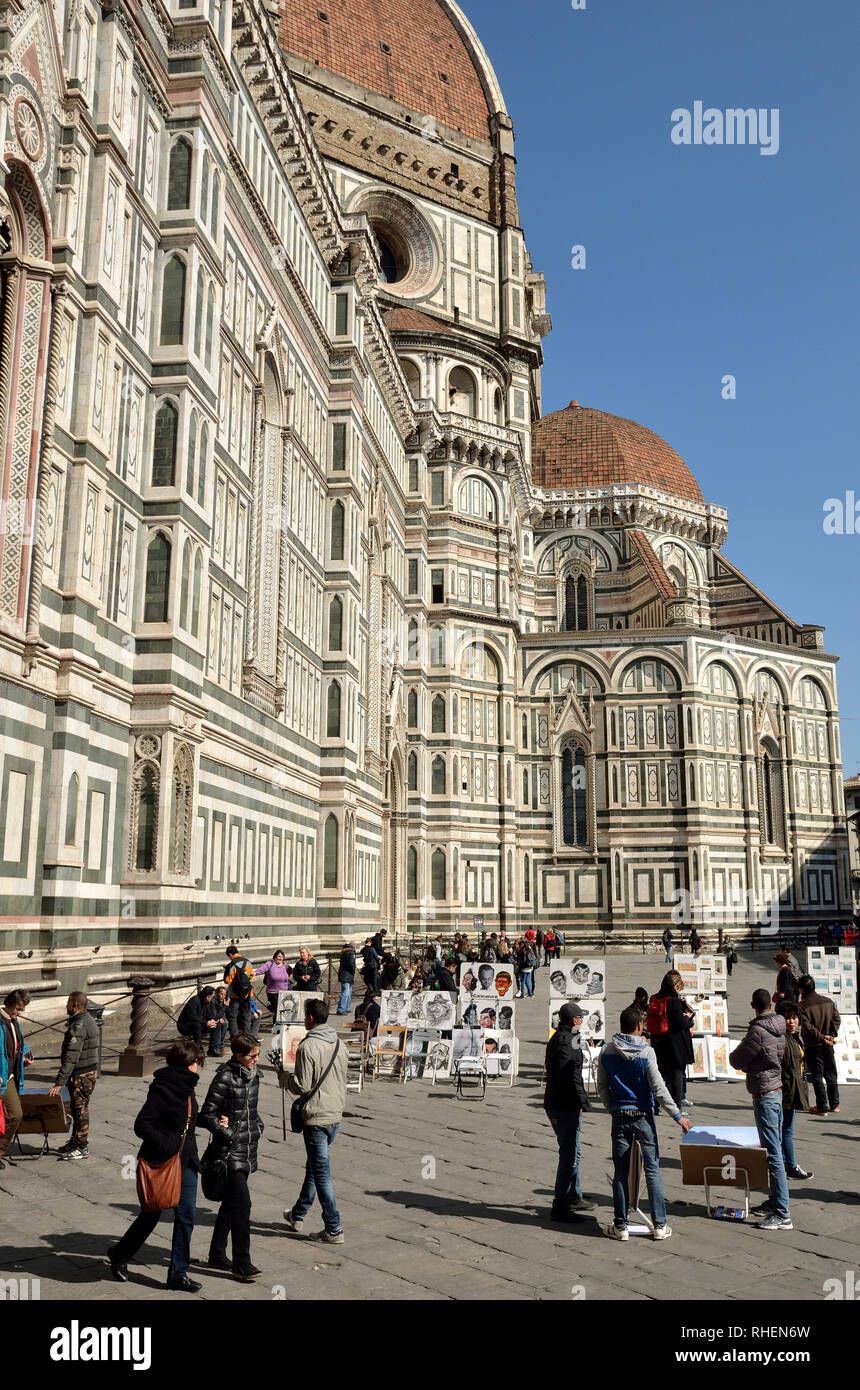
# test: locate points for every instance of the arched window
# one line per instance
(204, 189)
(525, 731)
(210, 323)
(437, 783)
(216, 204)
(412, 772)
(437, 875)
(477, 499)
(195, 594)
(157, 584)
(333, 711)
(438, 715)
(192, 454)
(573, 796)
(179, 176)
(527, 887)
(164, 445)
(201, 474)
(413, 645)
(335, 624)
(576, 603)
(509, 783)
(437, 646)
(770, 796)
(337, 521)
(147, 815)
(510, 875)
(182, 796)
(412, 872)
(498, 407)
(186, 585)
(412, 709)
(330, 852)
(72, 809)
(413, 377)
(461, 392)
(198, 314)
(525, 787)
(173, 302)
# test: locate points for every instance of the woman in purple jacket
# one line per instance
(276, 976)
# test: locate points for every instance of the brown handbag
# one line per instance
(159, 1184)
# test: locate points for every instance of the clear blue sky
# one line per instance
(707, 260)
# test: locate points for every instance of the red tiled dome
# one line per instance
(425, 63)
(581, 447)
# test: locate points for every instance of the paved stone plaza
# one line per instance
(480, 1227)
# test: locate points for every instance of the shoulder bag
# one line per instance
(159, 1184)
(297, 1109)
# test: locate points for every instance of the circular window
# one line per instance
(409, 251)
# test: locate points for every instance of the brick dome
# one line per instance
(581, 447)
(422, 53)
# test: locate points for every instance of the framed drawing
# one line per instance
(498, 1051)
(700, 1068)
(486, 978)
(440, 1009)
(579, 978)
(394, 1006)
(291, 1035)
(593, 1027)
(465, 1042)
(291, 1004)
(718, 1058)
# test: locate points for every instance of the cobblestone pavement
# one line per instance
(479, 1226)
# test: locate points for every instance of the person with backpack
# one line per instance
(230, 1113)
(166, 1124)
(548, 946)
(277, 976)
(371, 963)
(668, 1024)
(527, 959)
(565, 1101)
(559, 944)
(730, 954)
(629, 1083)
(667, 939)
(489, 954)
(320, 1080)
(238, 975)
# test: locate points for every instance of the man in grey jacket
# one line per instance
(320, 1058)
(79, 1060)
(760, 1056)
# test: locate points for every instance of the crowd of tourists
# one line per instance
(641, 1072)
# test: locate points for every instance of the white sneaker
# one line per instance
(292, 1223)
(618, 1233)
(661, 1232)
(327, 1237)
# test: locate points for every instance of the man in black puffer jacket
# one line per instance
(230, 1113)
(564, 1102)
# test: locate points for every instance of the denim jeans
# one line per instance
(624, 1131)
(318, 1182)
(528, 983)
(183, 1224)
(217, 1036)
(568, 1131)
(345, 999)
(768, 1120)
(788, 1140)
(668, 954)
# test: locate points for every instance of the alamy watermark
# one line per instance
(842, 516)
(708, 125)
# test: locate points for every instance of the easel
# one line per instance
(392, 1032)
(356, 1057)
(706, 1164)
(42, 1114)
(637, 1222)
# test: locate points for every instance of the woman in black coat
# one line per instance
(674, 1049)
(230, 1113)
(166, 1126)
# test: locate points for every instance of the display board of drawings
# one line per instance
(582, 978)
(705, 982)
(834, 973)
(442, 1027)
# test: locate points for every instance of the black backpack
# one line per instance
(241, 985)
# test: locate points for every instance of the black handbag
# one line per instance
(213, 1171)
(297, 1109)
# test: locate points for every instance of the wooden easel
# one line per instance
(391, 1032)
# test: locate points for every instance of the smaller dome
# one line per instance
(582, 447)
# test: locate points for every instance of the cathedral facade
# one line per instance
(310, 618)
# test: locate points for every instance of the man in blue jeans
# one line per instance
(564, 1102)
(320, 1077)
(628, 1083)
(760, 1055)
